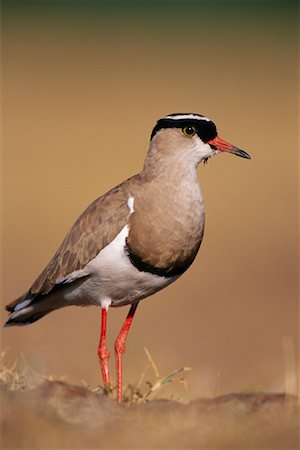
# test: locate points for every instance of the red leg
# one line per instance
(120, 347)
(103, 352)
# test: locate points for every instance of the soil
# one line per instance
(57, 415)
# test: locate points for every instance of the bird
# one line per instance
(134, 240)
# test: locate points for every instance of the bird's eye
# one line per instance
(189, 131)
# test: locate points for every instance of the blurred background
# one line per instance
(83, 84)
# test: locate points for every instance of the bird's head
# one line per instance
(189, 137)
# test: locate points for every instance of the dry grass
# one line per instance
(20, 376)
(39, 412)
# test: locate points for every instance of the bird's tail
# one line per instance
(27, 309)
(24, 317)
(31, 307)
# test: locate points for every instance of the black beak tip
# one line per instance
(246, 155)
(238, 152)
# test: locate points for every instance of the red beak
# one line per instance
(224, 146)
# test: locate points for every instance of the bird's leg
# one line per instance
(103, 352)
(120, 347)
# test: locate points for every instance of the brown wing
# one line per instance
(95, 228)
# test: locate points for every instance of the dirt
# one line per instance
(57, 415)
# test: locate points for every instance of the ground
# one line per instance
(58, 415)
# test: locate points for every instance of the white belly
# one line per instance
(113, 280)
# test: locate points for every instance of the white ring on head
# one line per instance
(188, 116)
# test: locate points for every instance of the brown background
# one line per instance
(83, 84)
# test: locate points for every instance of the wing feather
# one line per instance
(94, 229)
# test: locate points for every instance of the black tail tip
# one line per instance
(8, 323)
(9, 308)
(11, 322)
